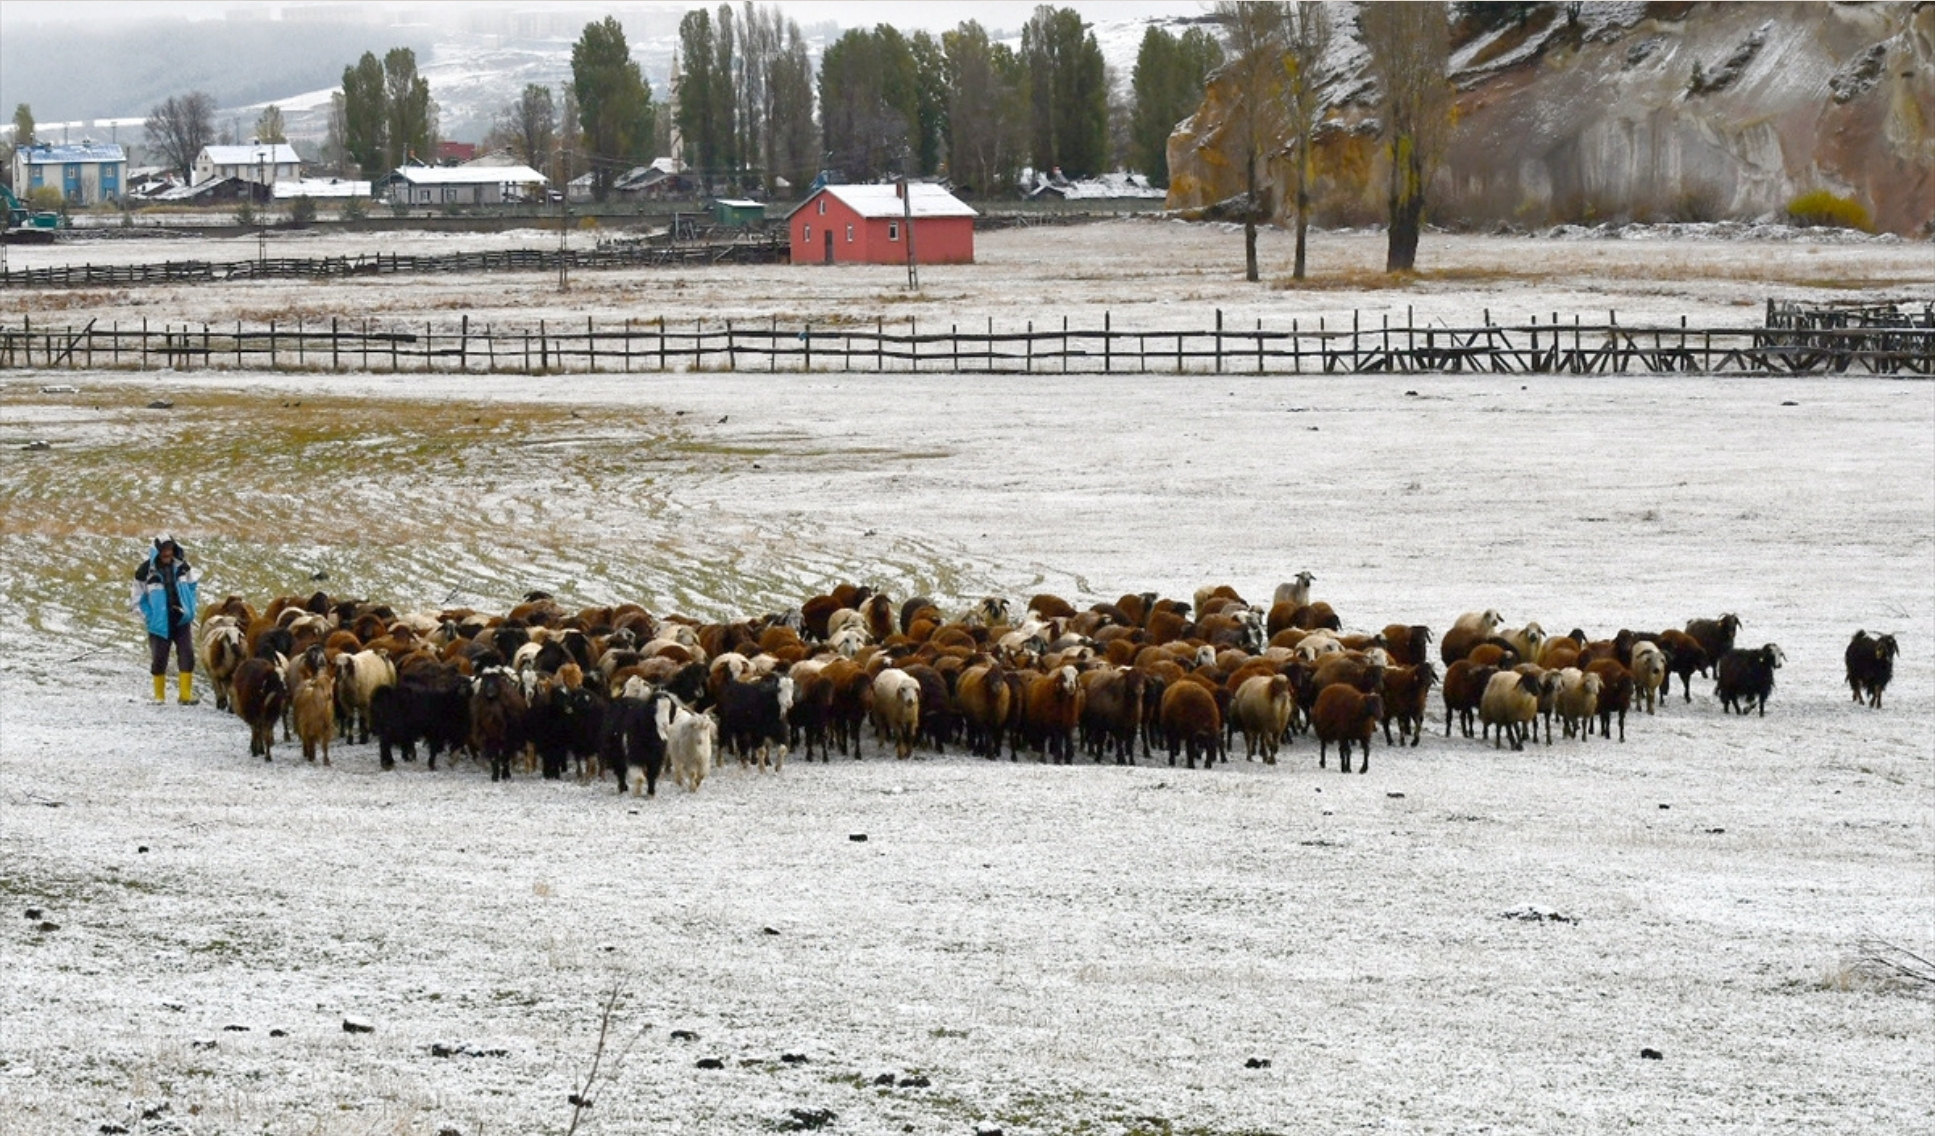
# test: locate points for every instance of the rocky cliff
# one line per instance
(1660, 112)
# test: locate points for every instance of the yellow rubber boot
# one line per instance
(161, 688)
(187, 689)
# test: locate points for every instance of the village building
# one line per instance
(462, 185)
(85, 172)
(861, 224)
(263, 162)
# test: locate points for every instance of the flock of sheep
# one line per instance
(618, 689)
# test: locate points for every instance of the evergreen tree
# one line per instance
(366, 114)
(615, 111)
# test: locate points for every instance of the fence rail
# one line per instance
(1554, 348)
(760, 249)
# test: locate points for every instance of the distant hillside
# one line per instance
(70, 71)
(1658, 112)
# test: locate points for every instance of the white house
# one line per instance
(263, 162)
(86, 172)
(462, 185)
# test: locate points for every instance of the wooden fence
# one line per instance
(756, 249)
(1553, 347)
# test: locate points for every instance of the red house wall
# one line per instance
(937, 240)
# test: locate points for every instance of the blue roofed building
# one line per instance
(85, 172)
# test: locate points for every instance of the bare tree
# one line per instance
(180, 127)
(1254, 41)
(1410, 46)
(1307, 41)
(528, 127)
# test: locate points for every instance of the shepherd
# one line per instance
(164, 591)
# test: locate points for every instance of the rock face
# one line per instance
(1651, 112)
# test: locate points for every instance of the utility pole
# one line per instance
(907, 231)
(261, 216)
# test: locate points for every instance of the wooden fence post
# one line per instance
(1218, 348)
(1108, 341)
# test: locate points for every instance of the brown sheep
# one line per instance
(1616, 692)
(315, 714)
(222, 649)
(1312, 617)
(1407, 644)
(1344, 714)
(1051, 713)
(260, 696)
(1045, 606)
(983, 696)
(1112, 712)
(1407, 700)
(1464, 687)
(1684, 657)
(1190, 721)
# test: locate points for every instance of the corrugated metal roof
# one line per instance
(41, 153)
(884, 201)
(267, 153)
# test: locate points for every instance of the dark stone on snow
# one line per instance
(886, 1079)
(807, 1119)
(236, 1029)
(709, 1063)
(202, 1043)
(111, 1130)
(278, 1033)
(792, 1058)
(161, 404)
(684, 1035)
(917, 1081)
(358, 1025)
(768, 931)
(1651, 1054)
(1257, 1063)
(33, 913)
(47, 925)
(857, 837)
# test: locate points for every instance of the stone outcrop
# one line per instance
(1658, 112)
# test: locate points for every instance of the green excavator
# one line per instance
(24, 226)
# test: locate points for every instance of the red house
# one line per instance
(861, 224)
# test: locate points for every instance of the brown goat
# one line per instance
(1191, 722)
(315, 714)
(260, 696)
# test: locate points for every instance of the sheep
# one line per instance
(1715, 636)
(358, 677)
(497, 710)
(223, 646)
(1871, 664)
(1464, 688)
(314, 709)
(850, 704)
(690, 739)
(1051, 712)
(1407, 699)
(1407, 644)
(260, 695)
(1650, 672)
(1296, 593)
(896, 709)
(429, 703)
(1190, 720)
(983, 696)
(1577, 701)
(1046, 607)
(1525, 640)
(1615, 694)
(1684, 656)
(1511, 703)
(1744, 678)
(1261, 708)
(752, 719)
(632, 746)
(1344, 714)
(1112, 712)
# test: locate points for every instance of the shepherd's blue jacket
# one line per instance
(150, 595)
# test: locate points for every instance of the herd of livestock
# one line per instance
(619, 690)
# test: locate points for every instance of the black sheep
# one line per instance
(1745, 678)
(430, 706)
(1871, 664)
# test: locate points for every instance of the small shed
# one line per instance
(861, 224)
(737, 213)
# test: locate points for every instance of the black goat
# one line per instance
(1744, 678)
(1871, 664)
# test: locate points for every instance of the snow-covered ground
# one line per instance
(1092, 948)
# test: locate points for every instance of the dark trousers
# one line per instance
(184, 645)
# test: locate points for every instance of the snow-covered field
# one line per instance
(1143, 272)
(1023, 947)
